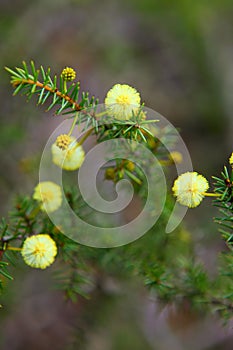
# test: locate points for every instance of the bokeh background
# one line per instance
(179, 56)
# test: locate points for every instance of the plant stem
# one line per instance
(88, 133)
(73, 124)
(13, 248)
(65, 86)
(48, 88)
(211, 194)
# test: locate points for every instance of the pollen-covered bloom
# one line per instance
(122, 100)
(231, 160)
(39, 251)
(70, 158)
(190, 188)
(49, 195)
(63, 141)
(68, 74)
(176, 157)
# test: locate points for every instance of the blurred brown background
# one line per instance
(179, 56)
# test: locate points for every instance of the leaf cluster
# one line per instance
(224, 187)
(172, 272)
(53, 89)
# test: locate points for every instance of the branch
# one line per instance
(65, 97)
(55, 91)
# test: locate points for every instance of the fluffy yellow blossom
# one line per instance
(231, 160)
(184, 236)
(110, 174)
(122, 100)
(49, 195)
(176, 157)
(70, 158)
(63, 141)
(39, 251)
(68, 74)
(190, 188)
(130, 165)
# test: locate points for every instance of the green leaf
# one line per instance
(25, 69)
(13, 73)
(6, 274)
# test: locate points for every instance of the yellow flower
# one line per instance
(110, 174)
(130, 165)
(122, 100)
(63, 141)
(39, 251)
(70, 158)
(68, 74)
(176, 157)
(231, 160)
(190, 188)
(49, 194)
(184, 236)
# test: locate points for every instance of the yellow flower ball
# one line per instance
(122, 101)
(231, 160)
(130, 165)
(70, 158)
(190, 188)
(110, 174)
(63, 141)
(49, 195)
(68, 74)
(176, 157)
(39, 251)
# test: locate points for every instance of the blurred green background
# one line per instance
(178, 54)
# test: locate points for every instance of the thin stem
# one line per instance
(65, 86)
(133, 177)
(73, 124)
(13, 248)
(100, 114)
(48, 88)
(34, 212)
(211, 194)
(88, 133)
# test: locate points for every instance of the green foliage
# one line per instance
(224, 186)
(53, 89)
(172, 272)
(3, 271)
(128, 129)
(166, 263)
